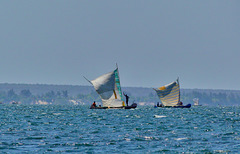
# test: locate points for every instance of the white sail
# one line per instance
(169, 94)
(196, 101)
(108, 90)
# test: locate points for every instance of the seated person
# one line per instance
(94, 104)
(180, 103)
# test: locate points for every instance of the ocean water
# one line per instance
(77, 129)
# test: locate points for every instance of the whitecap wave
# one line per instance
(179, 139)
(159, 116)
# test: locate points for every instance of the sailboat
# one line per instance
(109, 89)
(196, 102)
(170, 95)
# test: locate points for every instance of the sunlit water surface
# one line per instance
(49, 128)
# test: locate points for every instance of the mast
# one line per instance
(118, 74)
(119, 82)
(179, 90)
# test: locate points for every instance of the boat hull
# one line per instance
(133, 106)
(182, 106)
(185, 106)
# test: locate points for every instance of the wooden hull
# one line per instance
(133, 106)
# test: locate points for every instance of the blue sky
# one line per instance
(153, 42)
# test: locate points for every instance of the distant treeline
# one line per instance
(26, 97)
(59, 97)
(65, 94)
(205, 98)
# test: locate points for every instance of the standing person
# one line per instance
(127, 97)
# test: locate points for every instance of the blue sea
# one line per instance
(77, 129)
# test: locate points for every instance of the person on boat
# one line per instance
(127, 97)
(180, 103)
(159, 105)
(94, 104)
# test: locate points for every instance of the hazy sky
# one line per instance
(153, 42)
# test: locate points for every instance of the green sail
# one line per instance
(117, 81)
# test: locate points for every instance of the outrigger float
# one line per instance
(170, 96)
(109, 89)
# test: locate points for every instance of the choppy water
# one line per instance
(49, 128)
